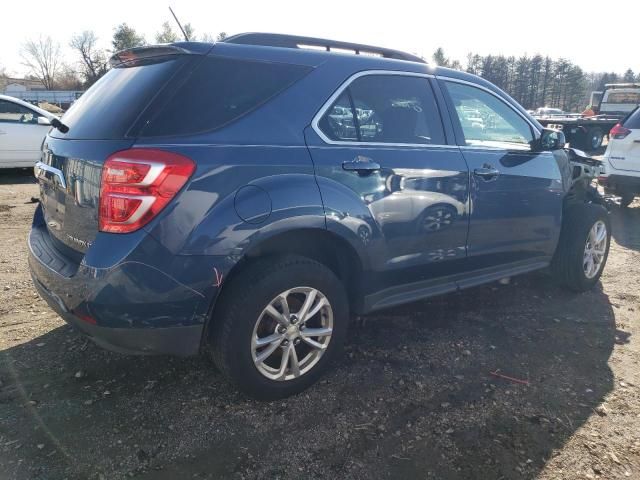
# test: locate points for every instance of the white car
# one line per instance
(622, 159)
(22, 129)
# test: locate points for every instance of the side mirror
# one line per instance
(549, 140)
(43, 121)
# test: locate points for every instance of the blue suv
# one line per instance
(245, 197)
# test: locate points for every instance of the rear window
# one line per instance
(623, 97)
(633, 120)
(219, 91)
(109, 108)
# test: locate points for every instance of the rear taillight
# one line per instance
(619, 132)
(137, 184)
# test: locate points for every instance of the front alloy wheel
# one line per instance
(583, 247)
(292, 333)
(595, 249)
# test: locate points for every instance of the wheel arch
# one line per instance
(319, 244)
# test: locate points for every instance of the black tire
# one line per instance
(594, 138)
(240, 307)
(568, 262)
(626, 199)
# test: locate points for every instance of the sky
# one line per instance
(588, 34)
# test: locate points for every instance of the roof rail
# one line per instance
(294, 41)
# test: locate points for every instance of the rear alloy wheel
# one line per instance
(278, 325)
(292, 333)
(583, 246)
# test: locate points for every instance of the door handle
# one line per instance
(361, 164)
(487, 172)
(2, 132)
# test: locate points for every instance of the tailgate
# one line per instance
(624, 154)
(69, 178)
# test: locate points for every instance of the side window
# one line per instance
(394, 109)
(338, 123)
(487, 120)
(219, 91)
(13, 113)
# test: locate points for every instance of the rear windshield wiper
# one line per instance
(58, 125)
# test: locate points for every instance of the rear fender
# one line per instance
(264, 207)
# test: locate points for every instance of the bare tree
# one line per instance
(92, 59)
(68, 79)
(42, 57)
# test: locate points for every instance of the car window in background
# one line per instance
(219, 91)
(623, 97)
(13, 113)
(488, 121)
(338, 123)
(633, 120)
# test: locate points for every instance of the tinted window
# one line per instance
(633, 121)
(219, 91)
(388, 109)
(487, 120)
(338, 123)
(13, 113)
(108, 109)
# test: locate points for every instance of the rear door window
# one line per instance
(219, 91)
(392, 109)
(339, 123)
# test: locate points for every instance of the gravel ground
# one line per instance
(413, 397)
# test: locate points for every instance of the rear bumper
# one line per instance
(176, 340)
(131, 307)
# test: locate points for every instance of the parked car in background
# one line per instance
(622, 160)
(22, 129)
(546, 111)
(244, 198)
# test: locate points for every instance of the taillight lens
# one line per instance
(137, 184)
(619, 132)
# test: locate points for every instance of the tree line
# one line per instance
(534, 81)
(43, 56)
(538, 81)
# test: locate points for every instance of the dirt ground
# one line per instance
(413, 397)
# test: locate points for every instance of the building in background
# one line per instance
(32, 90)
